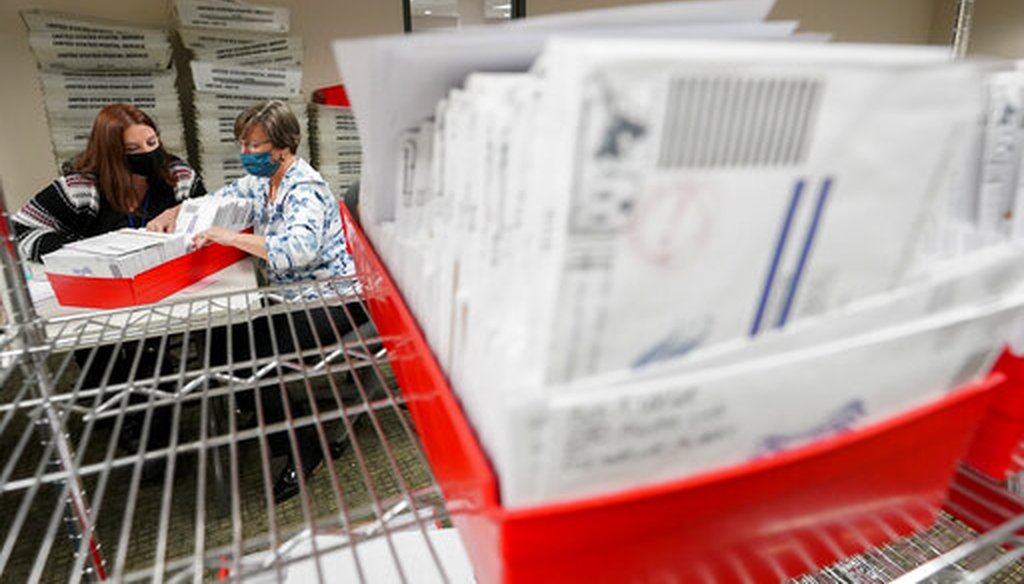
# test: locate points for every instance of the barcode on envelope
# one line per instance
(738, 121)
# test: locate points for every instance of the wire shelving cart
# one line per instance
(80, 503)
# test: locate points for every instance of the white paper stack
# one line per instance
(86, 65)
(641, 259)
(124, 253)
(204, 212)
(336, 148)
(239, 57)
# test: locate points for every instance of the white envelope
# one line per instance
(973, 280)
(809, 221)
(602, 441)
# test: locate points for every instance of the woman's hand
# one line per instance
(164, 222)
(214, 235)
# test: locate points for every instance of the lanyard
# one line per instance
(145, 211)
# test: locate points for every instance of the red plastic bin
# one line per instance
(994, 445)
(332, 95)
(149, 286)
(1009, 400)
(1000, 435)
(761, 521)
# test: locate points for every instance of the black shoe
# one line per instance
(245, 419)
(129, 441)
(130, 438)
(338, 447)
(287, 484)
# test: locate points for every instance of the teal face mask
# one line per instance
(259, 163)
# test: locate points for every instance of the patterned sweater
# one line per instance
(72, 208)
(304, 238)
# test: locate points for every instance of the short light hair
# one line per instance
(277, 120)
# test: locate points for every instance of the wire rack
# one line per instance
(138, 446)
(189, 495)
(141, 445)
(974, 539)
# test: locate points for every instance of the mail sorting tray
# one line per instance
(763, 521)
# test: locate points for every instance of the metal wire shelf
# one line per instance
(210, 478)
(961, 546)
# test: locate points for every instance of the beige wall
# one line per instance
(998, 28)
(895, 21)
(874, 21)
(942, 22)
(26, 158)
(319, 22)
(539, 7)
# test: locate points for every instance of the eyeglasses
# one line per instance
(250, 146)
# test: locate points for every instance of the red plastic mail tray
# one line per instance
(999, 441)
(332, 95)
(757, 522)
(149, 286)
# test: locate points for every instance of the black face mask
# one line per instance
(148, 164)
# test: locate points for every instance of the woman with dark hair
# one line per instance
(124, 178)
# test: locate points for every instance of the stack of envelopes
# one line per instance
(639, 257)
(202, 213)
(124, 253)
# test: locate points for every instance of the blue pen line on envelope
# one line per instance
(812, 232)
(780, 244)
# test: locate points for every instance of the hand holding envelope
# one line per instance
(213, 235)
(201, 214)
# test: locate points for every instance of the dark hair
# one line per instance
(277, 120)
(105, 158)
